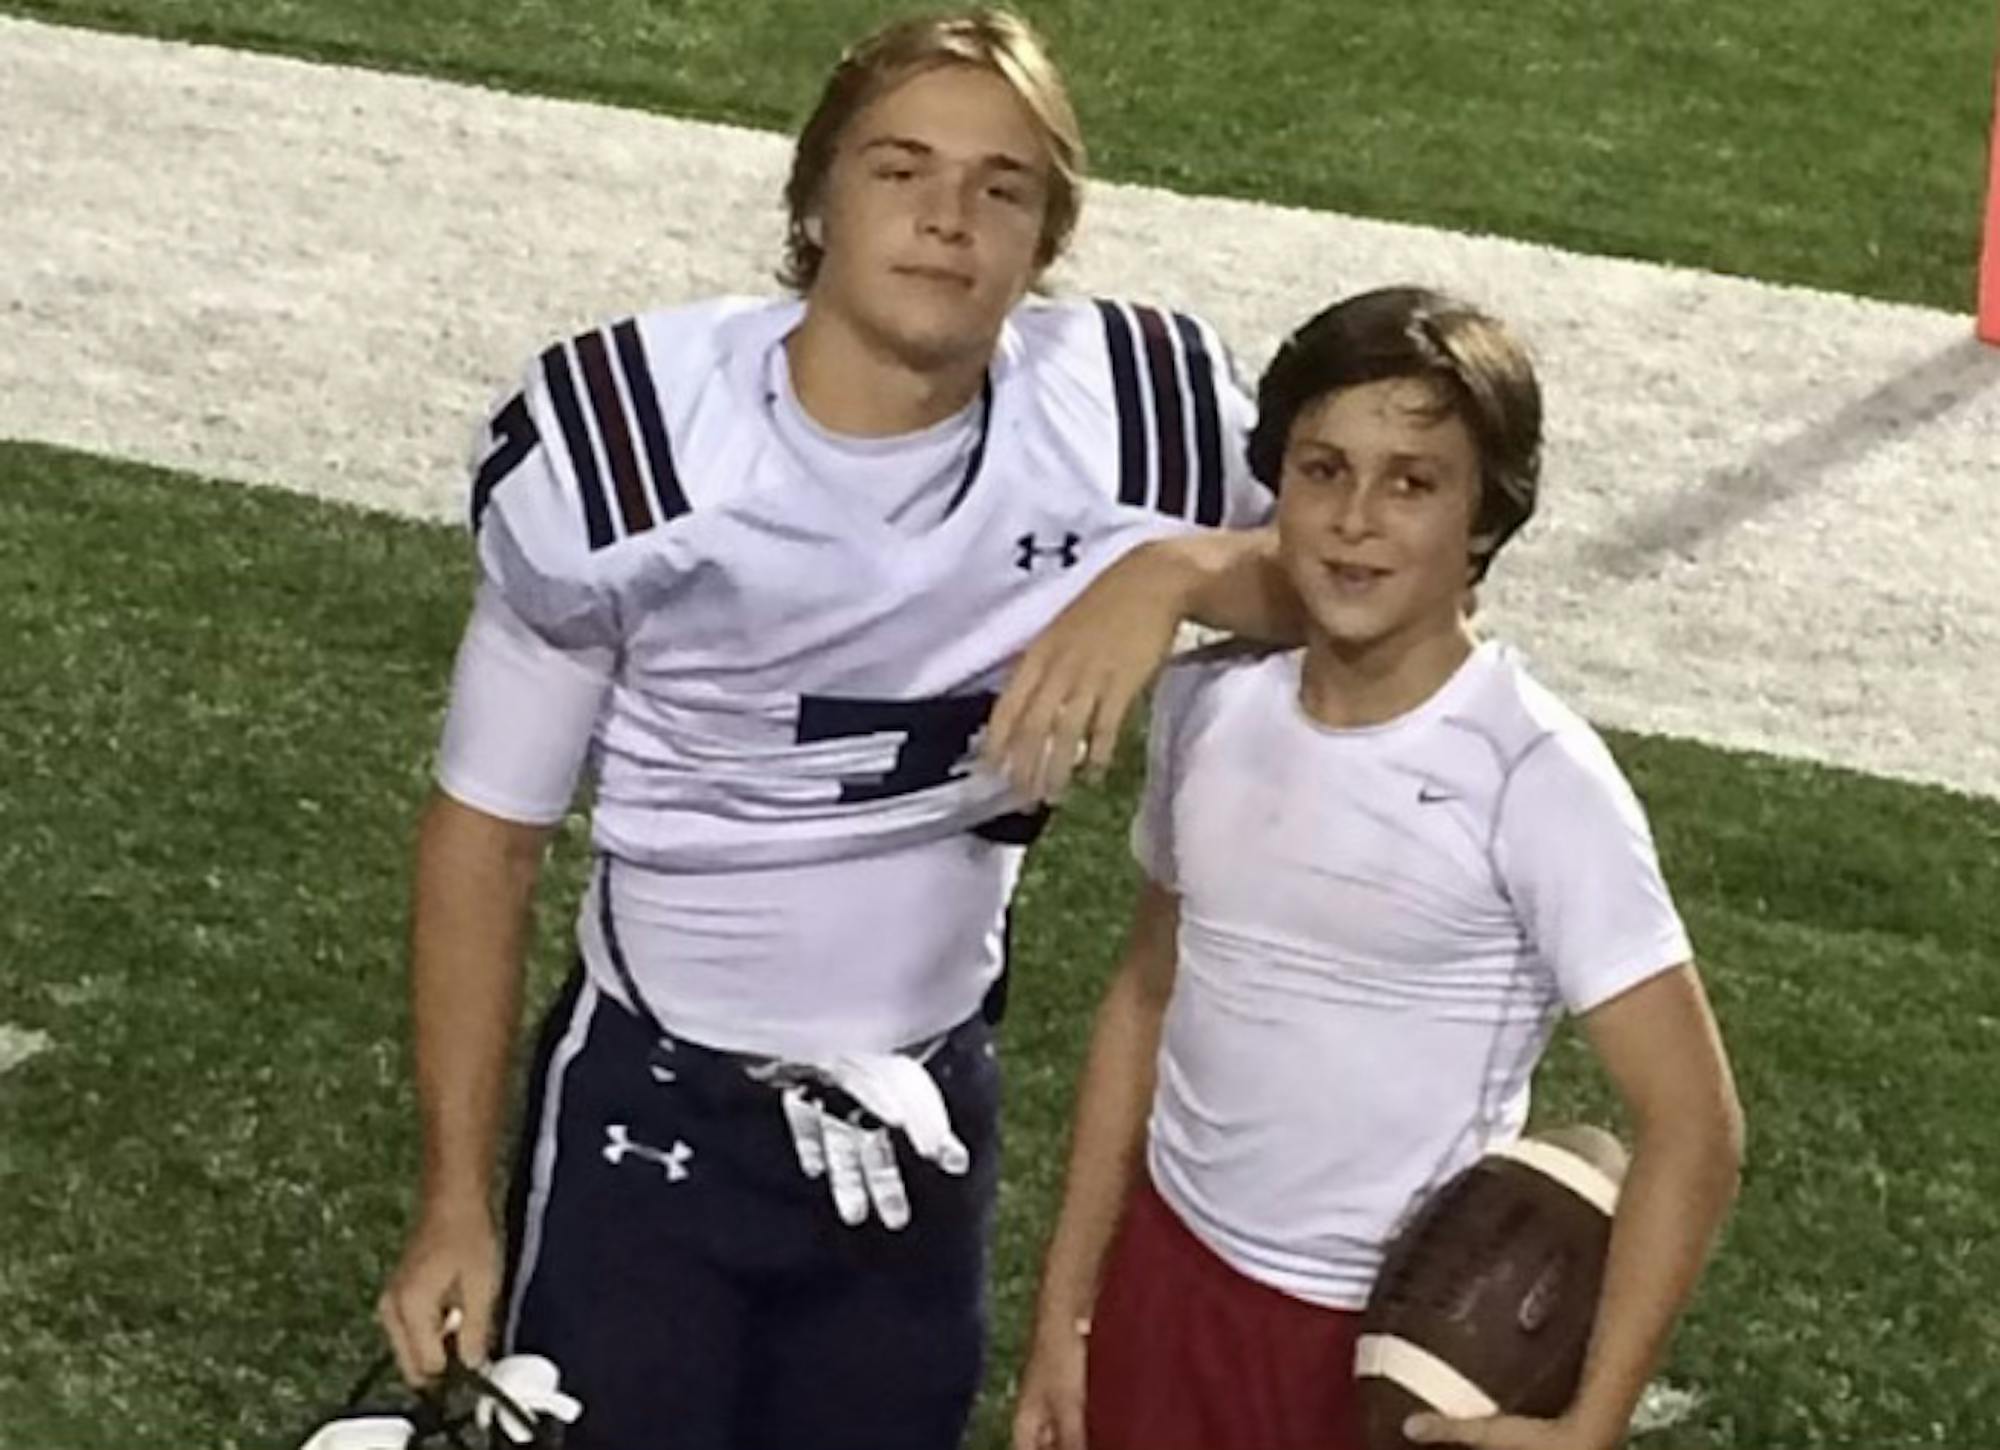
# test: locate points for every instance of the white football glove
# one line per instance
(858, 1158)
(372, 1432)
(533, 1384)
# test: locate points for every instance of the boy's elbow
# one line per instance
(1733, 1143)
(1715, 1142)
(1708, 1140)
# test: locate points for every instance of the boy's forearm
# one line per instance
(1675, 1197)
(1231, 580)
(475, 882)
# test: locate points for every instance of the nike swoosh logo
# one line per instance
(1429, 797)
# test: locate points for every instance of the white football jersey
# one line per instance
(1378, 930)
(799, 680)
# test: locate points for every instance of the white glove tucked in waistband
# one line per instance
(853, 1148)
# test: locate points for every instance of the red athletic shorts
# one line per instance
(1188, 1354)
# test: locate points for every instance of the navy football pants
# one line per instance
(698, 1292)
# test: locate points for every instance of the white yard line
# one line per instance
(1771, 514)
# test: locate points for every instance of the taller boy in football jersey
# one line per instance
(763, 565)
(1378, 870)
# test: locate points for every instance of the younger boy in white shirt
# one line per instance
(1379, 869)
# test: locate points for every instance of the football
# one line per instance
(1486, 1297)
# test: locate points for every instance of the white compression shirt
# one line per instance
(1378, 930)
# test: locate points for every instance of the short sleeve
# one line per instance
(1153, 821)
(1577, 857)
(532, 524)
(521, 718)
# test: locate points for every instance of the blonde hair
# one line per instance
(989, 39)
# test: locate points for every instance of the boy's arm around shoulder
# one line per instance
(1066, 703)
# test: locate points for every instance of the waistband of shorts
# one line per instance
(971, 1031)
(1189, 1247)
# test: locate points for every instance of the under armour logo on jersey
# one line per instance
(1030, 548)
(618, 1146)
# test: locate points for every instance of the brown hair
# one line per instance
(1481, 372)
(991, 39)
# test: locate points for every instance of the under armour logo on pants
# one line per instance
(619, 1145)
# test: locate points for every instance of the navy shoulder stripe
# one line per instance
(1132, 469)
(667, 493)
(1169, 425)
(635, 510)
(576, 442)
(620, 453)
(1207, 422)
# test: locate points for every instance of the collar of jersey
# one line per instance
(745, 343)
(1476, 666)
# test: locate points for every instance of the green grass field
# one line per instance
(223, 701)
(219, 704)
